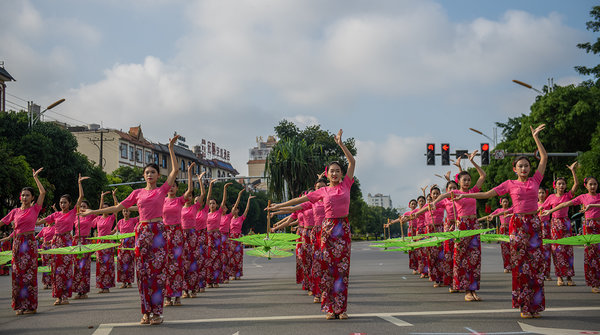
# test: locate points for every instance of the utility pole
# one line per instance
(101, 146)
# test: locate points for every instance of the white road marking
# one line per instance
(105, 329)
(404, 278)
(380, 264)
(555, 331)
(395, 321)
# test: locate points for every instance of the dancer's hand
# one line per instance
(36, 173)
(573, 166)
(81, 178)
(535, 132)
(338, 137)
(472, 155)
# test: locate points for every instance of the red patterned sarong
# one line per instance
(46, 261)
(336, 246)
(202, 258)
(527, 258)
(126, 262)
(505, 248)
(547, 248)
(591, 257)
(214, 265)
(562, 254)
(62, 267)
(191, 252)
(435, 256)
(174, 266)
(24, 272)
(150, 245)
(105, 267)
(82, 269)
(467, 258)
(317, 265)
(299, 270)
(413, 262)
(225, 256)
(448, 264)
(237, 257)
(307, 259)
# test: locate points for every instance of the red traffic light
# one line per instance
(445, 147)
(485, 147)
(430, 147)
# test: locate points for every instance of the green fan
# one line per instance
(43, 269)
(116, 236)
(489, 238)
(271, 253)
(576, 240)
(79, 249)
(460, 233)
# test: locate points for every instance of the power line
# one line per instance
(68, 117)
(16, 104)
(12, 95)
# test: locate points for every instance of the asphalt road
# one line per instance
(384, 299)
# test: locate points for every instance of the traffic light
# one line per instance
(445, 154)
(485, 154)
(430, 154)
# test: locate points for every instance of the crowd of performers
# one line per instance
(181, 245)
(532, 217)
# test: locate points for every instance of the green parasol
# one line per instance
(576, 240)
(271, 253)
(460, 233)
(430, 242)
(79, 249)
(489, 238)
(407, 238)
(116, 236)
(43, 269)
(130, 249)
(5, 259)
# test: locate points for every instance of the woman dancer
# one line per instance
(504, 214)
(25, 248)
(335, 234)
(83, 262)
(172, 218)
(214, 262)
(191, 249)
(561, 227)
(237, 221)
(105, 259)
(202, 255)
(150, 237)
(412, 231)
(591, 225)
(126, 258)
(421, 228)
(449, 225)
(225, 247)
(527, 256)
(62, 265)
(467, 251)
(46, 234)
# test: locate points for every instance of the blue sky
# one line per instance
(393, 74)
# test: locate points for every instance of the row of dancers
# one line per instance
(533, 216)
(181, 243)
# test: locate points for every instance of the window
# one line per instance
(156, 158)
(138, 155)
(131, 153)
(164, 161)
(182, 167)
(148, 157)
(123, 150)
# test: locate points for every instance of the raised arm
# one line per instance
(80, 198)
(572, 167)
(114, 196)
(479, 195)
(247, 206)
(237, 200)
(540, 147)
(558, 207)
(224, 200)
(440, 198)
(40, 200)
(202, 192)
(457, 164)
(287, 210)
(210, 186)
(173, 174)
(482, 174)
(349, 157)
(292, 202)
(188, 193)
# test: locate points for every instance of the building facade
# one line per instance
(379, 200)
(258, 158)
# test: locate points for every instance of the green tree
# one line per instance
(594, 48)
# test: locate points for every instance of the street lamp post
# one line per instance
(34, 118)
(493, 140)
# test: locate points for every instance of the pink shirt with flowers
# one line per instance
(336, 198)
(523, 194)
(24, 219)
(149, 202)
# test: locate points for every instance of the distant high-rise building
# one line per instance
(379, 200)
(258, 158)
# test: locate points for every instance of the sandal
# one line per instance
(536, 315)
(145, 319)
(316, 300)
(571, 283)
(193, 294)
(168, 303)
(330, 316)
(156, 320)
(595, 290)
(83, 296)
(20, 312)
(64, 302)
(477, 298)
(506, 270)
(470, 297)
(343, 316)
(185, 295)
(57, 302)
(30, 311)
(310, 293)
(451, 290)
(560, 282)
(177, 302)
(124, 285)
(525, 315)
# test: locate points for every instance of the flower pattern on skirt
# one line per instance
(547, 248)
(299, 269)
(467, 258)
(505, 248)
(191, 252)
(448, 264)
(105, 267)
(317, 264)
(421, 254)
(307, 260)
(336, 245)
(46, 260)
(225, 257)
(527, 258)
(126, 261)
(150, 250)
(202, 258)
(435, 257)
(562, 254)
(591, 257)
(214, 265)
(24, 272)
(237, 267)
(62, 267)
(413, 262)
(82, 268)
(174, 266)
